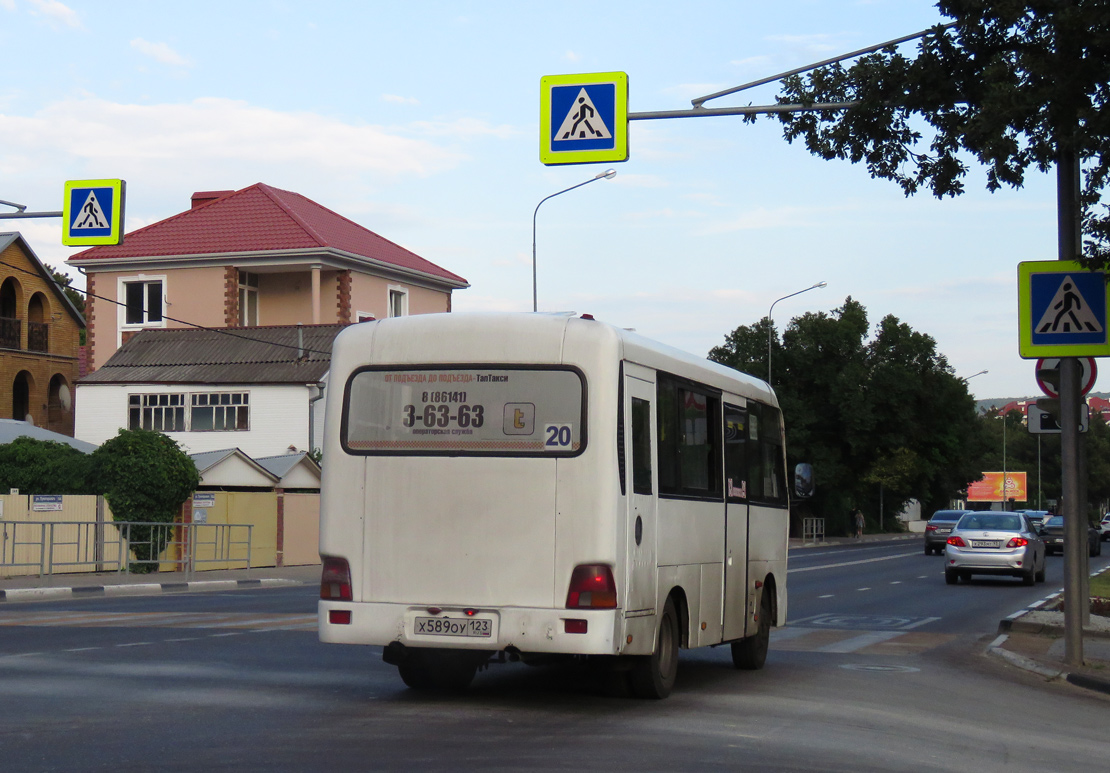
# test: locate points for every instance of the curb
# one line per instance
(138, 589)
(1014, 624)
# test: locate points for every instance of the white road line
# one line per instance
(859, 642)
(859, 589)
(827, 596)
(134, 644)
(849, 563)
(895, 582)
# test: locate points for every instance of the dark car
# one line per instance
(1037, 517)
(1053, 533)
(938, 528)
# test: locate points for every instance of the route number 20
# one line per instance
(557, 437)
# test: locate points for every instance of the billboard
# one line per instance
(989, 489)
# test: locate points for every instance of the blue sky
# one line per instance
(421, 122)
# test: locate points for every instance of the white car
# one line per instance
(1104, 528)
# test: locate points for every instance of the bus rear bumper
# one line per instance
(539, 630)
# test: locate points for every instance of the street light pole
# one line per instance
(608, 174)
(770, 322)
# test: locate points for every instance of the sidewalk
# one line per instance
(88, 584)
(1033, 639)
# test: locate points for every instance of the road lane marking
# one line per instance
(859, 642)
(827, 596)
(849, 563)
(859, 589)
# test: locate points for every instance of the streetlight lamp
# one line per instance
(608, 174)
(771, 326)
(965, 379)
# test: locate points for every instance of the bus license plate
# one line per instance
(454, 626)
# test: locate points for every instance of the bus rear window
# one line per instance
(472, 410)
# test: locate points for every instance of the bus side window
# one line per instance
(689, 445)
(641, 446)
(766, 468)
(736, 452)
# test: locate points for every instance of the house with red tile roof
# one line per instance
(260, 256)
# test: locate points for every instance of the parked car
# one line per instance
(994, 543)
(1053, 533)
(938, 528)
(1104, 528)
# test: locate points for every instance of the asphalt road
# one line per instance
(880, 669)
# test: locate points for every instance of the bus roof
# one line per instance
(537, 337)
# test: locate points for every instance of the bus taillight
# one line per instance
(592, 587)
(335, 580)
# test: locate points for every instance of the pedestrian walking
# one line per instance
(858, 517)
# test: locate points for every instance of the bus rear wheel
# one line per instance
(653, 676)
(750, 653)
(428, 669)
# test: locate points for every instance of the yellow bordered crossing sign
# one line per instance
(92, 212)
(584, 118)
(1062, 310)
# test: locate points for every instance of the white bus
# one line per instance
(516, 486)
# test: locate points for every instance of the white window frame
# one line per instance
(121, 310)
(184, 402)
(403, 292)
(365, 316)
(245, 290)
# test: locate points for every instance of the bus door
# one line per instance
(639, 416)
(736, 522)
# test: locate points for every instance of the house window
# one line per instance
(398, 302)
(219, 412)
(142, 302)
(163, 413)
(248, 299)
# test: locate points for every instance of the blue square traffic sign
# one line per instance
(92, 212)
(1062, 309)
(584, 118)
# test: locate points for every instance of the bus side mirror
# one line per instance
(804, 485)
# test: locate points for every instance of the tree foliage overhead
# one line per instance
(1008, 83)
(885, 417)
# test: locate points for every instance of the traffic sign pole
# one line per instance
(1073, 510)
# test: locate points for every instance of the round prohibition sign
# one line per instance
(1088, 372)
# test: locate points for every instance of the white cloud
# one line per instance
(571, 56)
(7, 5)
(160, 52)
(400, 100)
(211, 133)
(56, 12)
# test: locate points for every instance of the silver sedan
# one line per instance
(994, 543)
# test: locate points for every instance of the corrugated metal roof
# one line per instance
(260, 218)
(280, 354)
(10, 429)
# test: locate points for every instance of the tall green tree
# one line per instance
(1010, 84)
(881, 421)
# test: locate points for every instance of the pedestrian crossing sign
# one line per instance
(92, 212)
(1062, 310)
(584, 118)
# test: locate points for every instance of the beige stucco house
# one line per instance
(259, 256)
